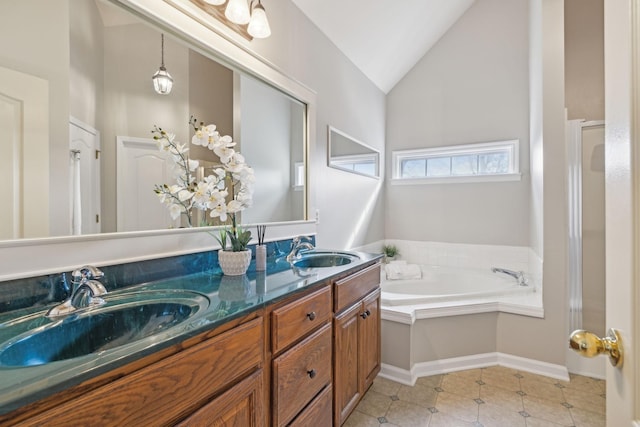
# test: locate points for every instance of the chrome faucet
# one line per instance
(299, 243)
(85, 292)
(518, 275)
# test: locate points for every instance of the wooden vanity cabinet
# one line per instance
(357, 352)
(305, 360)
(220, 378)
(301, 339)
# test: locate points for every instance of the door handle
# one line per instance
(588, 344)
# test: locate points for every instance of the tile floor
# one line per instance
(487, 397)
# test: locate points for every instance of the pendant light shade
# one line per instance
(162, 80)
(238, 12)
(215, 2)
(259, 24)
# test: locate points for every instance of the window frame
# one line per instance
(513, 145)
(298, 176)
(349, 163)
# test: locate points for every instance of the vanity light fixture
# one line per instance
(162, 80)
(249, 19)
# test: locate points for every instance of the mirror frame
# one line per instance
(330, 130)
(203, 33)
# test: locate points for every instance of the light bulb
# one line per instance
(259, 24)
(237, 11)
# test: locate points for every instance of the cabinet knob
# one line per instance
(366, 314)
(311, 373)
(312, 315)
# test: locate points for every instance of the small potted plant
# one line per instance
(234, 261)
(390, 252)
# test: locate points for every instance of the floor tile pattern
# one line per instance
(488, 397)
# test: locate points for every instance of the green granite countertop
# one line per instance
(228, 297)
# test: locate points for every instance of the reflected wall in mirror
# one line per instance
(348, 154)
(72, 171)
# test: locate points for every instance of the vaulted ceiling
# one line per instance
(384, 38)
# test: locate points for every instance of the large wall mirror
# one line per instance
(350, 155)
(77, 107)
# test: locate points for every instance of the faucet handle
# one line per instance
(300, 239)
(87, 272)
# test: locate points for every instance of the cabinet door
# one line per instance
(241, 405)
(369, 340)
(345, 355)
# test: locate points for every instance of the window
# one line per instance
(490, 161)
(366, 164)
(298, 176)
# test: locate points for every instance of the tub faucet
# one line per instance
(85, 292)
(299, 243)
(518, 275)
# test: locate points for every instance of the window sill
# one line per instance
(458, 179)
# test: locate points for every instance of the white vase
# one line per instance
(234, 263)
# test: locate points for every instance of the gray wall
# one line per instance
(481, 82)
(545, 339)
(472, 86)
(350, 206)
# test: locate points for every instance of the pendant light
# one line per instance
(259, 25)
(162, 80)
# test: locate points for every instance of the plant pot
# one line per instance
(234, 263)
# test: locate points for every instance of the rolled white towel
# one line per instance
(401, 271)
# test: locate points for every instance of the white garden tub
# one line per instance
(442, 284)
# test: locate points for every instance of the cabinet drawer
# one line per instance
(296, 319)
(318, 413)
(299, 374)
(353, 287)
(164, 392)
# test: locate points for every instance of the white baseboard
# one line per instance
(589, 367)
(443, 366)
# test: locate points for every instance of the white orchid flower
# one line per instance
(225, 154)
(226, 141)
(175, 210)
(201, 137)
(217, 197)
(183, 194)
(193, 164)
(178, 149)
(174, 189)
(219, 211)
(244, 199)
(234, 206)
(201, 193)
